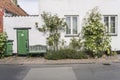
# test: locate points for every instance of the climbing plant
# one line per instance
(53, 25)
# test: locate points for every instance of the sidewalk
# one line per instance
(39, 60)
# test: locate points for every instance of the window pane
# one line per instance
(106, 21)
(112, 28)
(68, 28)
(74, 25)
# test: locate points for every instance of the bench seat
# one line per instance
(37, 49)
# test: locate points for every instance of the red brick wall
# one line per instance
(1, 20)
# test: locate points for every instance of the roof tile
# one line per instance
(11, 7)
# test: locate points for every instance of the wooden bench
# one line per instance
(37, 49)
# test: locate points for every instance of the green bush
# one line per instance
(3, 39)
(75, 43)
(96, 39)
(65, 54)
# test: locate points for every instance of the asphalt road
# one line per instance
(61, 72)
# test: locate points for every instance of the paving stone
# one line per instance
(61, 73)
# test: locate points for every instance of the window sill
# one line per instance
(71, 35)
(110, 34)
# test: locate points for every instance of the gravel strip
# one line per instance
(39, 60)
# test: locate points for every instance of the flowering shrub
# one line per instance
(96, 39)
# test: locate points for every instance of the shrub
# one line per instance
(112, 53)
(65, 54)
(3, 39)
(96, 39)
(75, 44)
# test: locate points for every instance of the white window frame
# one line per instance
(71, 27)
(109, 22)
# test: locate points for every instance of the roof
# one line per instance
(13, 8)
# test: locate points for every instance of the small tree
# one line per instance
(3, 39)
(96, 39)
(53, 25)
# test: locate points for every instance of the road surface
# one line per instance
(61, 72)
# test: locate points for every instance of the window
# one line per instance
(111, 23)
(72, 24)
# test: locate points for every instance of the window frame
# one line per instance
(71, 34)
(109, 23)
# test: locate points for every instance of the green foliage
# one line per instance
(75, 43)
(96, 40)
(52, 25)
(65, 54)
(112, 53)
(62, 44)
(3, 39)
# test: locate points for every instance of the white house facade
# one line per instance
(35, 37)
(73, 11)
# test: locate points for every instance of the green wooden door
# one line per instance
(22, 41)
